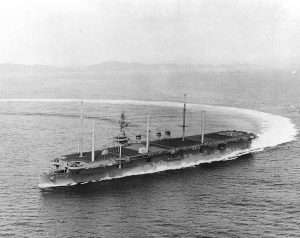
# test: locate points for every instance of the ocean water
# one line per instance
(253, 195)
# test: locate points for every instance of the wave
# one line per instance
(275, 130)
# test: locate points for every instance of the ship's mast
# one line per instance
(93, 142)
(123, 123)
(120, 155)
(121, 139)
(202, 126)
(183, 117)
(147, 134)
(120, 151)
(81, 130)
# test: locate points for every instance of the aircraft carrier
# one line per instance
(127, 154)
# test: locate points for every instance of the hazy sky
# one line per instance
(80, 32)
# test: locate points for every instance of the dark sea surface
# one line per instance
(255, 195)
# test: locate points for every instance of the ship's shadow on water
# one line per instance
(203, 172)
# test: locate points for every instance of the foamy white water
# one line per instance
(274, 130)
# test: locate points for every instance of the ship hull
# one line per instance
(143, 166)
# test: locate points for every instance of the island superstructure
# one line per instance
(127, 154)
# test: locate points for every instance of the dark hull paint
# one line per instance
(138, 166)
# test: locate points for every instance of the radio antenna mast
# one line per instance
(184, 117)
(81, 130)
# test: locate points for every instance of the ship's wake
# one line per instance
(274, 130)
